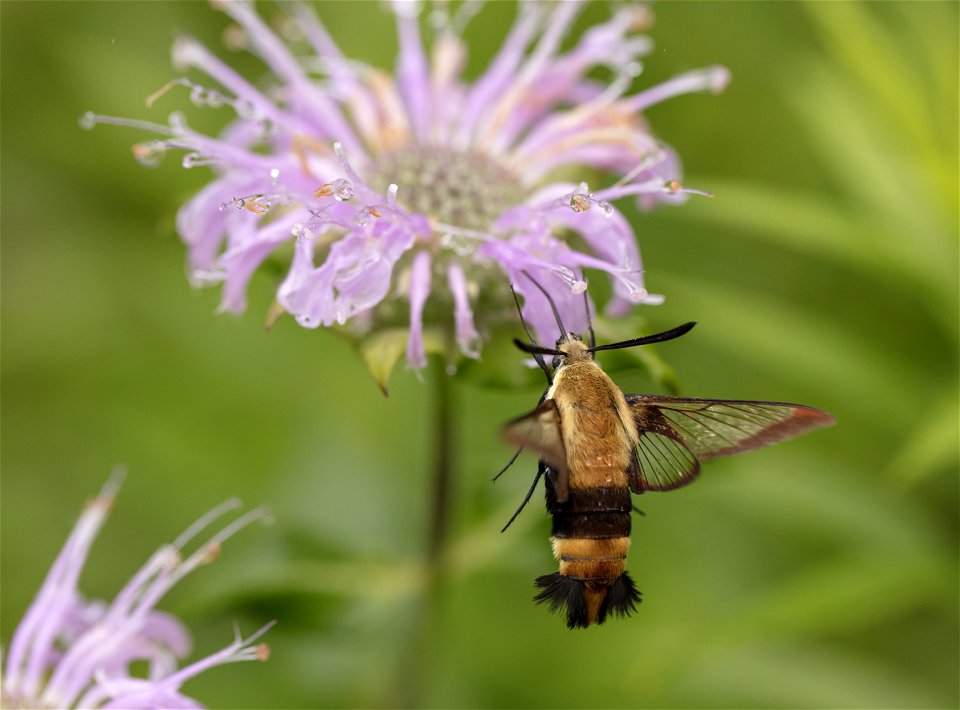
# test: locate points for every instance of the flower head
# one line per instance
(68, 652)
(422, 186)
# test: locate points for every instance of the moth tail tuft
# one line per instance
(563, 592)
(621, 599)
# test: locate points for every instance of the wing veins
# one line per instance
(666, 457)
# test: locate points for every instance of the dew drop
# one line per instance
(343, 190)
(243, 108)
(198, 96)
(301, 231)
(637, 294)
(177, 121)
(149, 154)
(236, 202)
(196, 160)
(88, 121)
(579, 203)
(215, 99)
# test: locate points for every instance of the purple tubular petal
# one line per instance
(502, 70)
(713, 79)
(32, 643)
(514, 258)
(315, 106)
(190, 52)
(239, 262)
(153, 699)
(467, 336)
(307, 292)
(612, 239)
(201, 223)
(413, 78)
(524, 90)
(356, 274)
(419, 290)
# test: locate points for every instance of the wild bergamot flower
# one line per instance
(68, 652)
(422, 186)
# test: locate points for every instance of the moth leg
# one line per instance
(541, 468)
(509, 463)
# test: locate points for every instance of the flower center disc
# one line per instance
(463, 188)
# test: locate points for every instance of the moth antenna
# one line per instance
(647, 339)
(536, 480)
(586, 307)
(536, 356)
(553, 306)
(535, 349)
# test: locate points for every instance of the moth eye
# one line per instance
(557, 361)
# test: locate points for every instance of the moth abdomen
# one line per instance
(621, 599)
(597, 513)
(587, 601)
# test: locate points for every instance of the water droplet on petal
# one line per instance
(196, 160)
(198, 96)
(579, 203)
(237, 202)
(343, 190)
(637, 294)
(149, 154)
(243, 108)
(215, 99)
(88, 121)
(177, 121)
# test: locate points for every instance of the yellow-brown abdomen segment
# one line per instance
(591, 536)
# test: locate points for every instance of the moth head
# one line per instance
(570, 350)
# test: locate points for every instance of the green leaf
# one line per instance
(382, 350)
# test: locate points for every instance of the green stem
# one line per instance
(416, 670)
(442, 466)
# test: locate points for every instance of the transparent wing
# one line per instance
(714, 427)
(540, 431)
(662, 462)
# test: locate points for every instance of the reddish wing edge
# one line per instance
(714, 427)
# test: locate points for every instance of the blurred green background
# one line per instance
(819, 573)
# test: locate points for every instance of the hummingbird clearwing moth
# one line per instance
(598, 445)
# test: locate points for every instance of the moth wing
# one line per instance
(540, 431)
(662, 461)
(708, 428)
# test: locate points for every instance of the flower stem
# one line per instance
(442, 466)
(417, 670)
